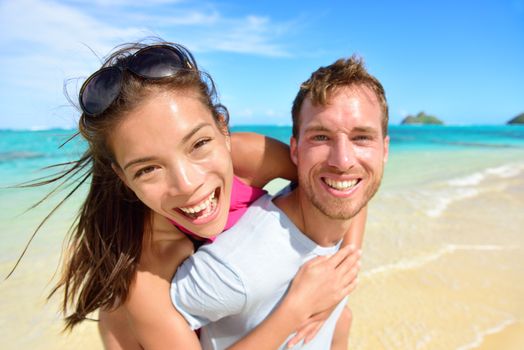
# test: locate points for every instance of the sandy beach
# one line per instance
(509, 338)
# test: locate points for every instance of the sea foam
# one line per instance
(413, 263)
(465, 187)
(480, 335)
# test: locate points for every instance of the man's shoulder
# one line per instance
(258, 226)
(260, 212)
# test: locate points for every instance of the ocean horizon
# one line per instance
(283, 124)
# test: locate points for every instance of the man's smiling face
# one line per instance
(340, 151)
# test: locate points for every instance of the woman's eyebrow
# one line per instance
(194, 131)
(139, 160)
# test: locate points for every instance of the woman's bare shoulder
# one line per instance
(159, 261)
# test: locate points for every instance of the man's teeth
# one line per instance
(340, 185)
(208, 202)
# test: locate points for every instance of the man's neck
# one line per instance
(323, 230)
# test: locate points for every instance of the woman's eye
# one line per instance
(201, 142)
(144, 171)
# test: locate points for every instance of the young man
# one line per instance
(340, 146)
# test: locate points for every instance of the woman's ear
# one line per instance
(222, 124)
(228, 143)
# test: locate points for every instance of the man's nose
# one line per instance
(342, 155)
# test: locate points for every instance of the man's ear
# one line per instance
(293, 150)
(386, 148)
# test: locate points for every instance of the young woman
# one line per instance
(158, 163)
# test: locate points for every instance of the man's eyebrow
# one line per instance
(365, 129)
(314, 128)
(360, 129)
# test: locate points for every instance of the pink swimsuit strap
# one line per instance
(242, 196)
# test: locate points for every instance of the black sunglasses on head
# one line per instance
(102, 88)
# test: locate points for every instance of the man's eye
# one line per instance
(362, 138)
(320, 138)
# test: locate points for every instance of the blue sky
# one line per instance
(459, 60)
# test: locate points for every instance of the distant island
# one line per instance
(422, 118)
(519, 119)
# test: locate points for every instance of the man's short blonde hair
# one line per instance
(325, 81)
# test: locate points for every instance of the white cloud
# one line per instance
(245, 113)
(32, 29)
(128, 3)
(45, 42)
(250, 35)
(54, 26)
(270, 113)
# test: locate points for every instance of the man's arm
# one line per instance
(355, 234)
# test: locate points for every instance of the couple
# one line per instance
(165, 177)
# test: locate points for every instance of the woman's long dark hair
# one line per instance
(105, 241)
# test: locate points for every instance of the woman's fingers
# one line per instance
(307, 331)
(349, 262)
(323, 281)
(348, 289)
(341, 255)
(310, 335)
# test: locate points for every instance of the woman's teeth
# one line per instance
(202, 209)
(340, 185)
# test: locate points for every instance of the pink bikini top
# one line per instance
(242, 196)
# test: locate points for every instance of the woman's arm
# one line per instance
(258, 159)
(115, 330)
(147, 319)
(153, 319)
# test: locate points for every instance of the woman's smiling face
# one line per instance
(172, 154)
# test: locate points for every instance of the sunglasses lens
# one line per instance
(157, 62)
(101, 90)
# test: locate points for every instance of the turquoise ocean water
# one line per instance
(444, 234)
(419, 154)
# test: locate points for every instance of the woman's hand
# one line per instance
(319, 286)
(323, 282)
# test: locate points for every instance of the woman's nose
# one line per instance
(184, 178)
